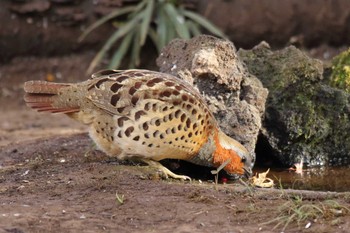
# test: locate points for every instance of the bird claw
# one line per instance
(175, 176)
(167, 173)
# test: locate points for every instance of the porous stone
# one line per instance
(306, 119)
(236, 97)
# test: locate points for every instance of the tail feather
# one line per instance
(43, 87)
(40, 95)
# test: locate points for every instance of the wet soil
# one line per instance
(53, 180)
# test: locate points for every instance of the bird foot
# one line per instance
(165, 170)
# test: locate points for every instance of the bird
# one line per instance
(144, 115)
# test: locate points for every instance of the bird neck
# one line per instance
(216, 151)
(204, 156)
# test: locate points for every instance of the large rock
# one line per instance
(236, 97)
(305, 117)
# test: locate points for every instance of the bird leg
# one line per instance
(165, 170)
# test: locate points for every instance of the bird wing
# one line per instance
(117, 92)
(148, 104)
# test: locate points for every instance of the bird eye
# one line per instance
(244, 159)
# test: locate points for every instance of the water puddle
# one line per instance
(317, 179)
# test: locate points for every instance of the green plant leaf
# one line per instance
(129, 26)
(146, 21)
(161, 26)
(178, 21)
(170, 31)
(204, 23)
(137, 9)
(120, 52)
(104, 19)
(171, 21)
(135, 51)
(155, 39)
(193, 27)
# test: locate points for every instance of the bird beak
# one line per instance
(247, 172)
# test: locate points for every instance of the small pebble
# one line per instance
(308, 225)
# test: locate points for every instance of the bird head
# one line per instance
(240, 160)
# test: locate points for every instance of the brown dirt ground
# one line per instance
(52, 180)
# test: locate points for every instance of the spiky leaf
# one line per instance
(104, 19)
(204, 23)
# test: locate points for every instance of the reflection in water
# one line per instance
(320, 179)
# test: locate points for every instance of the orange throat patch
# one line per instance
(221, 155)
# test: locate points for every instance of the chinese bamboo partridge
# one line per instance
(145, 115)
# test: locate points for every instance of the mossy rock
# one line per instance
(340, 76)
(305, 117)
